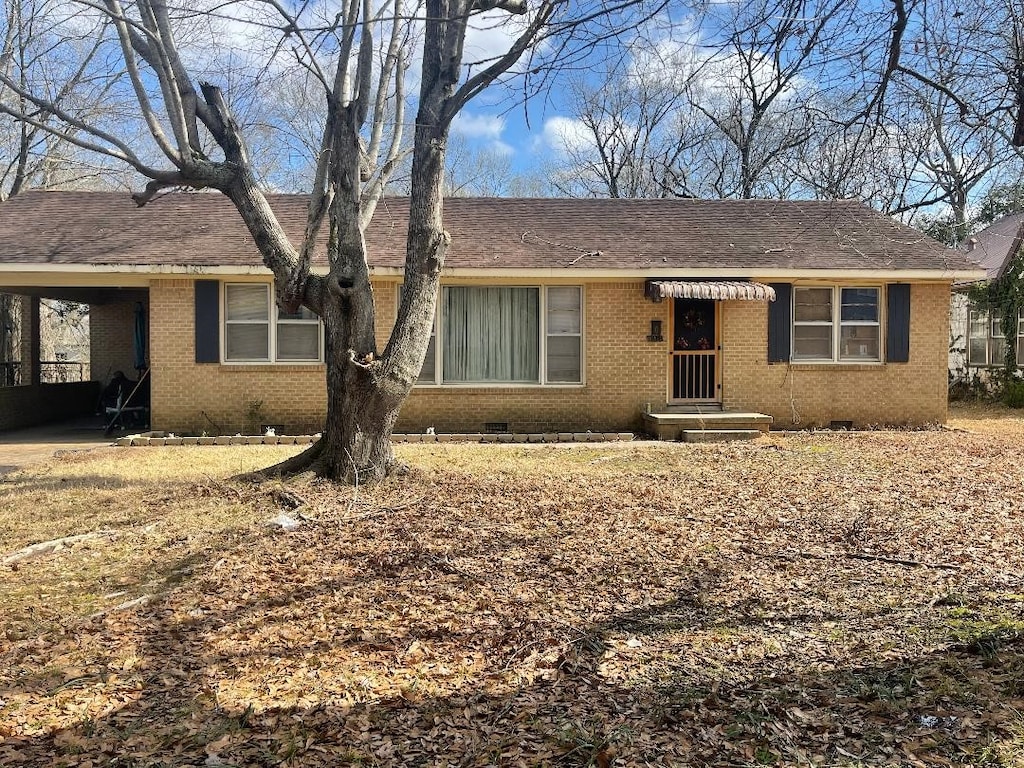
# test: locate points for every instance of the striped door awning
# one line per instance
(722, 290)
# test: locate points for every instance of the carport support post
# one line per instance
(34, 347)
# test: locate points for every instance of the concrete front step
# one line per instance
(690, 408)
(719, 435)
(670, 426)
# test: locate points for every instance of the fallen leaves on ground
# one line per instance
(628, 605)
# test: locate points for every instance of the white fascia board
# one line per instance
(556, 273)
(761, 275)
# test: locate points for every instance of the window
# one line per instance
(812, 324)
(986, 344)
(250, 336)
(564, 334)
(490, 334)
(833, 324)
(506, 335)
(1020, 340)
(859, 325)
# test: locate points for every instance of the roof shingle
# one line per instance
(994, 246)
(734, 236)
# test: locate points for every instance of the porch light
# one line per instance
(655, 331)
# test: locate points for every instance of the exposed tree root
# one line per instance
(315, 460)
(307, 461)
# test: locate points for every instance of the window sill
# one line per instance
(812, 365)
(496, 387)
(270, 367)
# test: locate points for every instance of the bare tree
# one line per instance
(946, 94)
(971, 53)
(68, 72)
(795, 98)
(358, 54)
(477, 171)
(633, 135)
(724, 111)
(756, 86)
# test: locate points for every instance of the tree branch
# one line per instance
(484, 78)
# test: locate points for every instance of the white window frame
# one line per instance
(564, 335)
(830, 324)
(1020, 339)
(974, 316)
(836, 323)
(272, 322)
(994, 326)
(437, 335)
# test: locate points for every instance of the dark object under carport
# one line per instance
(133, 403)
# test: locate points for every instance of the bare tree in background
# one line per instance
(358, 54)
(633, 137)
(721, 110)
(477, 172)
(908, 107)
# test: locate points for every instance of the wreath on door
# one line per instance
(693, 319)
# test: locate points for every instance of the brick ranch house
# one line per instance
(554, 314)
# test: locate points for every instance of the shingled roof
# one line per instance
(637, 236)
(995, 246)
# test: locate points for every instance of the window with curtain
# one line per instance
(837, 324)
(490, 334)
(1020, 340)
(502, 334)
(250, 336)
(298, 335)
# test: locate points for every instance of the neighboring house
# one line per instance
(554, 314)
(977, 341)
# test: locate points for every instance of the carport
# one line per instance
(36, 391)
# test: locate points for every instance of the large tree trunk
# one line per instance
(366, 391)
(362, 405)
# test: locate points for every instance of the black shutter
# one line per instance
(780, 324)
(207, 321)
(897, 336)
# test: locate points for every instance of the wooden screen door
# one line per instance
(695, 364)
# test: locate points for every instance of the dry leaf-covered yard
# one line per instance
(817, 599)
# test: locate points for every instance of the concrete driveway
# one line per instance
(20, 448)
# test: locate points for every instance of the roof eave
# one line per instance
(735, 272)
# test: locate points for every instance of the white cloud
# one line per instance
(478, 126)
(483, 131)
(563, 135)
(684, 57)
(489, 35)
(499, 147)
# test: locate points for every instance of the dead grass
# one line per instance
(630, 605)
(992, 418)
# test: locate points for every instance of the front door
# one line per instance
(694, 375)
